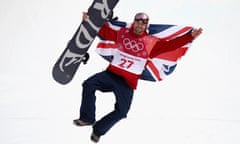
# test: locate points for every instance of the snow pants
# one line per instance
(105, 82)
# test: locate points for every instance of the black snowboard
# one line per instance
(76, 50)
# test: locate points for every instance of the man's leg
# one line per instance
(97, 82)
(124, 96)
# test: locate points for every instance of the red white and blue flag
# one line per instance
(162, 65)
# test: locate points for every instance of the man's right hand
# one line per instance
(84, 16)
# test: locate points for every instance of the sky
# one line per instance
(197, 104)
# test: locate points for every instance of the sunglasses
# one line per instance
(145, 21)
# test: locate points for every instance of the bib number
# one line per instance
(128, 62)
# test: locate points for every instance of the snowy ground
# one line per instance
(198, 104)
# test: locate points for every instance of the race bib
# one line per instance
(128, 62)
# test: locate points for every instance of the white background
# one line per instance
(198, 104)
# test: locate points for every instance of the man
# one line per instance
(135, 46)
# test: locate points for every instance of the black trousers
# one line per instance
(105, 82)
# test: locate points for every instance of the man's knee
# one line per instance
(86, 84)
(89, 82)
(122, 113)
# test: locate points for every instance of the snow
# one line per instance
(198, 104)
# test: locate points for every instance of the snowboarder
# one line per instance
(122, 74)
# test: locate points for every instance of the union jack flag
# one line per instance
(162, 65)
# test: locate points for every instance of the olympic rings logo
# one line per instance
(133, 45)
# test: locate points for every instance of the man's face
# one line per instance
(139, 26)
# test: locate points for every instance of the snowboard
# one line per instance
(76, 50)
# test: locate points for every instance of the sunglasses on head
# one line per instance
(145, 21)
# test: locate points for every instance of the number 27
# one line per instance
(126, 63)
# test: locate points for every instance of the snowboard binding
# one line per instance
(85, 58)
(110, 16)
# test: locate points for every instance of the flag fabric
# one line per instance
(160, 66)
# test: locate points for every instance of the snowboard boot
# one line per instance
(79, 122)
(95, 138)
